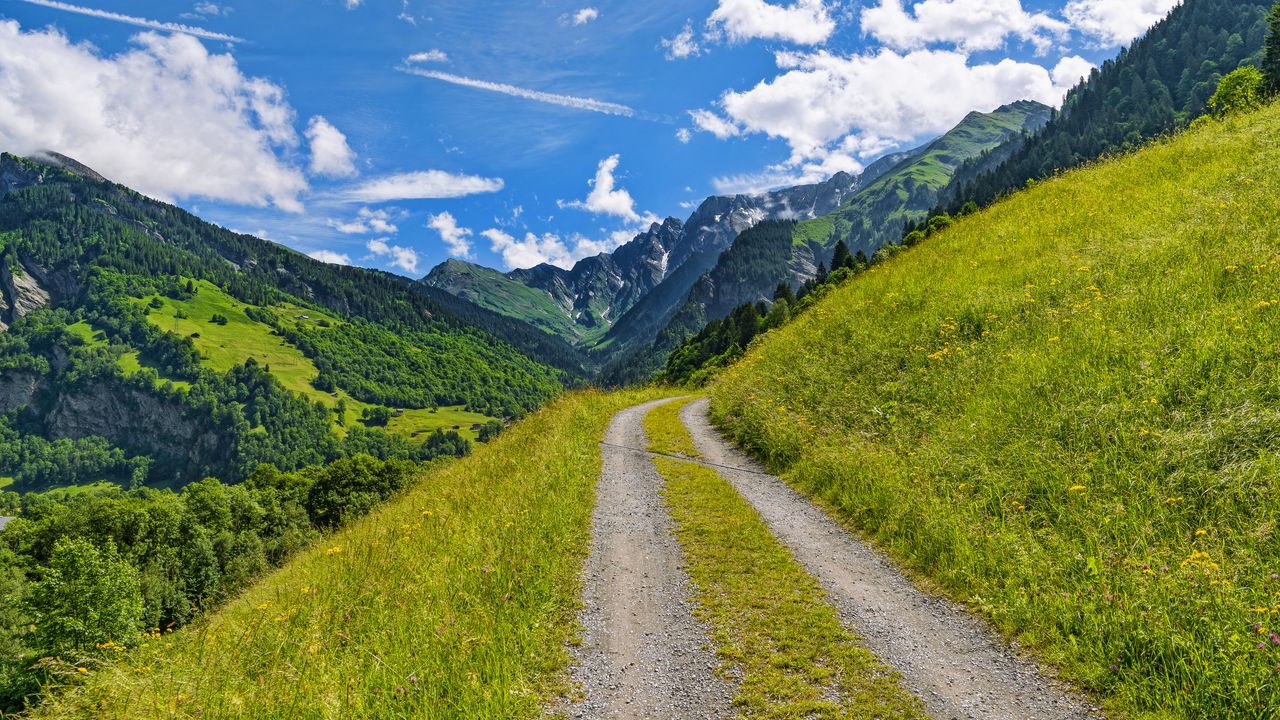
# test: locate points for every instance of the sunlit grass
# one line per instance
(771, 624)
(1066, 411)
(456, 599)
(666, 432)
(225, 346)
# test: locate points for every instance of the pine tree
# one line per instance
(822, 274)
(784, 294)
(1271, 57)
(842, 258)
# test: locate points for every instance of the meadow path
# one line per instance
(643, 654)
(950, 659)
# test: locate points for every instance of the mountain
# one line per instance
(142, 345)
(591, 304)
(1158, 85)
(769, 254)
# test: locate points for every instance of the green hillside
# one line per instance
(875, 215)
(495, 291)
(1062, 410)
(145, 346)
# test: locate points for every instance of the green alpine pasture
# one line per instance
(455, 599)
(224, 345)
(1065, 411)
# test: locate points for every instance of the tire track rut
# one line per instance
(643, 653)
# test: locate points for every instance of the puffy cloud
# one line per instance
(430, 56)
(583, 16)
(331, 257)
(396, 256)
(683, 44)
(366, 222)
(203, 10)
(605, 198)
(549, 248)
(684, 135)
(457, 238)
(968, 24)
(1116, 22)
(863, 104)
(708, 121)
(352, 4)
(165, 117)
(805, 22)
(330, 154)
(423, 185)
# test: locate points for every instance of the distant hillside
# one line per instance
(1161, 83)
(1063, 410)
(142, 345)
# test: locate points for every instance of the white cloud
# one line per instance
(968, 24)
(684, 135)
(683, 44)
(457, 238)
(366, 221)
(331, 257)
(708, 121)
(584, 16)
(396, 256)
(423, 185)
(569, 101)
(1116, 22)
(165, 117)
(136, 21)
(805, 22)
(856, 106)
(352, 4)
(549, 248)
(204, 10)
(330, 154)
(1070, 71)
(430, 56)
(605, 198)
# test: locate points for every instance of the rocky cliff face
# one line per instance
(128, 417)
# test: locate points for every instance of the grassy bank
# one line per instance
(1065, 410)
(771, 623)
(666, 432)
(454, 600)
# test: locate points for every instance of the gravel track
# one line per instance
(643, 654)
(952, 660)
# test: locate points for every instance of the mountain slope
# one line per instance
(166, 349)
(1159, 84)
(1063, 410)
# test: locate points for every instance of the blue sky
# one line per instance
(396, 133)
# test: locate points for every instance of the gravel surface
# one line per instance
(952, 660)
(643, 654)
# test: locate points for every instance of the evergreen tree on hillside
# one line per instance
(842, 257)
(1271, 55)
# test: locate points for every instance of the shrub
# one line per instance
(1242, 90)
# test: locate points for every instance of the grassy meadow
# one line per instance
(1065, 411)
(225, 346)
(456, 599)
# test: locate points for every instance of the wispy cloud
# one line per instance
(423, 185)
(569, 101)
(137, 21)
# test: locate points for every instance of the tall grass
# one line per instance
(1065, 410)
(457, 599)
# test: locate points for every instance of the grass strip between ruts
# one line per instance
(666, 432)
(772, 627)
